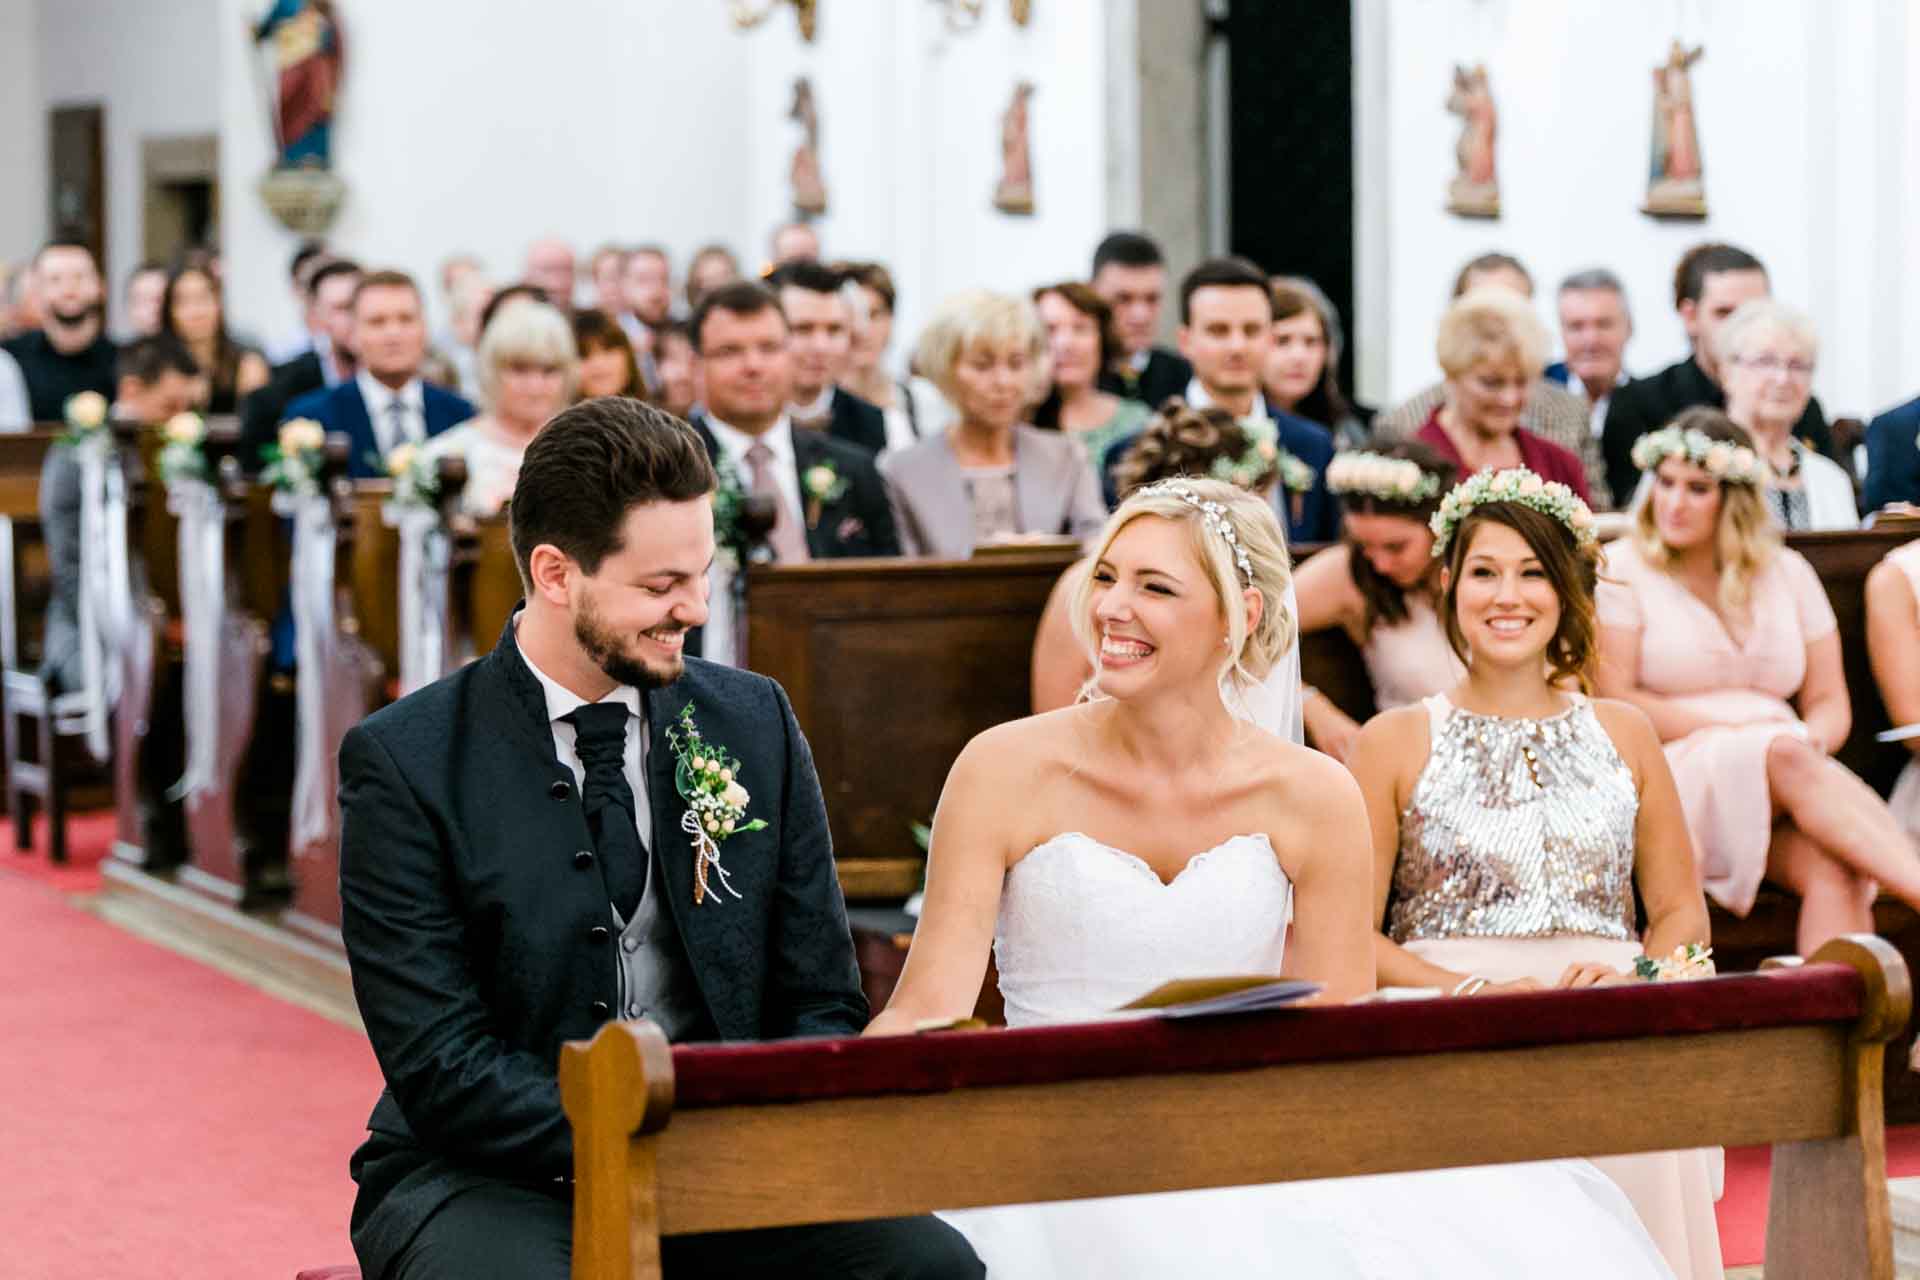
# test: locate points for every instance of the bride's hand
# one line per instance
(1509, 988)
(1581, 974)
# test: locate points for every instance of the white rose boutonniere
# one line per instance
(707, 776)
(823, 483)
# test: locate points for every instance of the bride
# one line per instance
(1158, 837)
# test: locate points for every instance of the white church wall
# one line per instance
(23, 133)
(1808, 137)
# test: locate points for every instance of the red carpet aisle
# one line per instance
(161, 1119)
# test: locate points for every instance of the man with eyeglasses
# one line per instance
(1709, 285)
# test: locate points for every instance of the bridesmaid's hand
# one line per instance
(1580, 975)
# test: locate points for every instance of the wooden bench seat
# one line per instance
(672, 1140)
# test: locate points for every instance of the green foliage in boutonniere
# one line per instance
(183, 456)
(707, 776)
(823, 483)
(1263, 453)
(85, 414)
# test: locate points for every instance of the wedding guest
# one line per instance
(459, 343)
(1226, 331)
(607, 363)
(710, 267)
(146, 288)
(1130, 274)
(820, 329)
(1514, 816)
(1380, 584)
(1710, 283)
(386, 403)
(16, 412)
(521, 290)
(12, 282)
(1079, 326)
(528, 369)
(1491, 348)
(606, 271)
(1302, 373)
(25, 301)
(1178, 441)
(989, 477)
(306, 259)
(191, 311)
(1548, 410)
(1893, 457)
(70, 352)
(328, 363)
(793, 242)
(1725, 638)
(1595, 325)
(678, 368)
(1767, 353)
(648, 285)
(550, 267)
(157, 379)
(1893, 645)
(829, 498)
(867, 374)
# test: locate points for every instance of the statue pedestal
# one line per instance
(305, 201)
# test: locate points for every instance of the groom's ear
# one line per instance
(548, 571)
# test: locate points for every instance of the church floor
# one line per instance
(177, 1109)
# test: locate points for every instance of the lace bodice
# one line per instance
(1085, 927)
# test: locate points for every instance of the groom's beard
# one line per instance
(603, 645)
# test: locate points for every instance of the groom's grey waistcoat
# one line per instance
(481, 939)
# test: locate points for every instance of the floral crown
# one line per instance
(1213, 514)
(1725, 461)
(1521, 487)
(1378, 476)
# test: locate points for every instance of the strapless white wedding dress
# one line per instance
(1085, 928)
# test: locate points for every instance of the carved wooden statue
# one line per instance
(1475, 189)
(809, 190)
(1014, 194)
(1674, 188)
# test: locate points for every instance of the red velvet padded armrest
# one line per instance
(711, 1075)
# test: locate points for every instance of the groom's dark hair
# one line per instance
(591, 465)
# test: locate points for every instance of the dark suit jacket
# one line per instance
(857, 421)
(262, 412)
(860, 522)
(1893, 457)
(470, 924)
(1647, 404)
(343, 409)
(1166, 374)
(1318, 518)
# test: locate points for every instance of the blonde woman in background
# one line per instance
(527, 365)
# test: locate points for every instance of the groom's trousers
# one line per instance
(501, 1231)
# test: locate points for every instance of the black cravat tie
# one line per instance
(600, 739)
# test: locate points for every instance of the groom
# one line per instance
(514, 874)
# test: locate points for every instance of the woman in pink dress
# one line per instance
(1725, 638)
(1893, 643)
(1379, 584)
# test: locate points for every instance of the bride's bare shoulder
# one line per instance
(1021, 747)
(1300, 783)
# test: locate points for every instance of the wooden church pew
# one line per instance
(715, 1137)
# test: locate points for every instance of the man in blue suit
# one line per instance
(1893, 456)
(385, 403)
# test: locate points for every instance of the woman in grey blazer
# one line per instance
(989, 476)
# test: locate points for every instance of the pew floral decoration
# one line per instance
(294, 459)
(823, 483)
(416, 482)
(1684, 964)
(1517, 485)
(707, 776)
(85, 413)
(182, 452)
(1727, 463)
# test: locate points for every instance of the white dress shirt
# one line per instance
(561, 701)
(380, 398)
(778, 438)
(1596, 408)
(1197, 398)
(819, 411)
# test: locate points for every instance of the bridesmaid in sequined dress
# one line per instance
(1513, 816)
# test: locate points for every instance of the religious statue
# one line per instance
(1475, 189)
(809, 191)
(1014, 194)
(306, 55)
(1674, 188)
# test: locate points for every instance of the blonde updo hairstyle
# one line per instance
(972, 320)
(1746, 537)
(1255, 650)
(1491, 324)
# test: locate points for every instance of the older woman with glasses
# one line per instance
(1767, 354)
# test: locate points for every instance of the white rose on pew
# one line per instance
(86, 410)
(302, 435)
(400, 461)
(183, 428)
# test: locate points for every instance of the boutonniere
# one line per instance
(707, 776)
(85, 414)
(823, 483)
(182, 456)
(294, 459)
(1266, 453)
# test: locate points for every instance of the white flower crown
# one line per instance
(1516, 485)
(1726, 462)
(1378, 476)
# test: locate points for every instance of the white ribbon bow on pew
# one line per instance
(106, 588)
(203, 605)
(425, 554)
(312, 590)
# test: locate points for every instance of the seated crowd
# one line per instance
(1660, 706)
